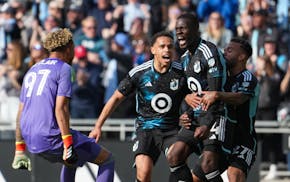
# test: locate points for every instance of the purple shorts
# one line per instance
(86, 148)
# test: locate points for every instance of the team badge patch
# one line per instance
(211, 62)
(174, 84)
(196, 67)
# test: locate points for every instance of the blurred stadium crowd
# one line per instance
(112, 36)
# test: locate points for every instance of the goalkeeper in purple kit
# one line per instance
(43, 116)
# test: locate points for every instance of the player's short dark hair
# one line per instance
(191, 18)
(161, 34)
(244, 44)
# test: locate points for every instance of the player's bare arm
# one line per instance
(110, 106)
(18, 135)
(233, 98)
(62, 114)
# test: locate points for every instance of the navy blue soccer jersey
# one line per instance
(205, 71)
(244, 114)
(158, 95)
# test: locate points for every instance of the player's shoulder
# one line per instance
(140, 68)
(177, 65)
(208, 49)
(247, 76)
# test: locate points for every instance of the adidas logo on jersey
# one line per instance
(148, 84)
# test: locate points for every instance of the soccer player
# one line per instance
(241, 96)
(160, 87)
(204, 67)
(43, 116)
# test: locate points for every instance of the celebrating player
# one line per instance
(241, 96)
(204, 67)
(160, 87)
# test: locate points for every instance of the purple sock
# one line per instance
(106, 172)
(67, 174)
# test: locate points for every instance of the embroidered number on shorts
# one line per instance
(244, 153)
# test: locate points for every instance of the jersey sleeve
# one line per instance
(247, 84)
(127, 85)
(216, 65)
(64, 81)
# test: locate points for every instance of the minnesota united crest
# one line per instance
(196, 67)
(174, 84)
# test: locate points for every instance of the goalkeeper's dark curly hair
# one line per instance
(57, 40)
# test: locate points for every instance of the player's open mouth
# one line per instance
(181, 41)
(166, 57)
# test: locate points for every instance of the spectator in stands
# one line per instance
(93, 43)
(24, 19)
(261, 29)
(131, 10)
(37, 53)
(215, 31)
(173, 12)
(120, 63)
(255, 5)
(39, 32)
(227, 8)
(55, 9)
(87, 90)
(9, 29)
(157, 15)
(74, 18)
(137, 29)
(14, 68)
(177, 8)
(280, 61)
(269, 80)
(141, 50)
(244, 29)
(103, 13)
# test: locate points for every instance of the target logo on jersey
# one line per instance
(161, 103)
(194, 85)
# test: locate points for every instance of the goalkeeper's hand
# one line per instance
(21, 160)
(69, 155)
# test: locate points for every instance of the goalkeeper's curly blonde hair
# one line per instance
(57, 39)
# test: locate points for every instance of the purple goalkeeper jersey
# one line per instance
(41, 85)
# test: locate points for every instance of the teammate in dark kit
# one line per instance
(204, 67)
(241, 96)
(160, 87)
